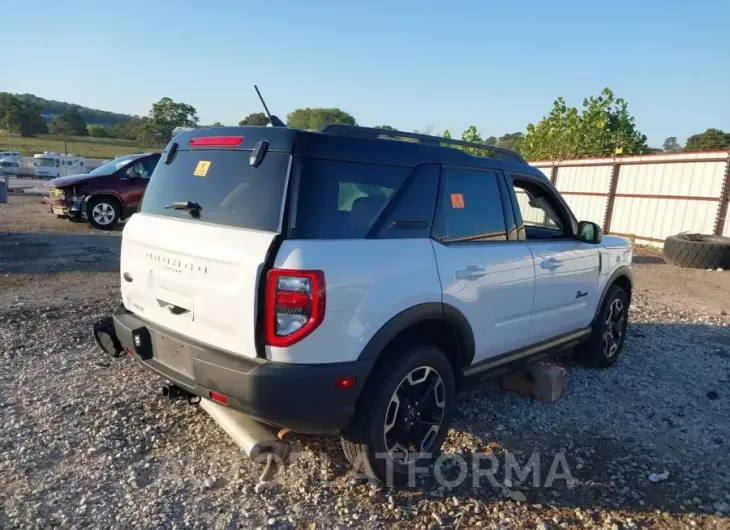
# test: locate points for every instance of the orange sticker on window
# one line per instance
(457, 200)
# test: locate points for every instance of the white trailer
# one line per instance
(51, 165)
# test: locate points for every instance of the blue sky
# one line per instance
(410, 64)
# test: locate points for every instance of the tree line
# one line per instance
(602, 127)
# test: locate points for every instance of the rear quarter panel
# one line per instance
(368, 282)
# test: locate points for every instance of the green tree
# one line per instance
(129, 130)
(511, 141)
(603, 128)
(46, 106)
(671, 145)
(471, 134)
(386, 127)
(69, 123)
(316, 119)
(257, 118)
(19, 116)
(447, 135)
(710, 140)
(99, 131)
(492, 140)
(165, 116)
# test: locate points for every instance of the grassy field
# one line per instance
(82, 146)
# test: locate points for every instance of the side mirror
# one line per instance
(589, 232)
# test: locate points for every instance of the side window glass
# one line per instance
(58, 163)
(135, 170)
(149, 166)
(542, 215)
(470, 207)
(342, 200)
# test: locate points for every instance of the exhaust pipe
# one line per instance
(258, 440)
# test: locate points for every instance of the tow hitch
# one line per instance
(174, 393)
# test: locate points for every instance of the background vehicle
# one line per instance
(52, 165)
(9, 166)
(108, 194)
(12, 156)
(341, 283)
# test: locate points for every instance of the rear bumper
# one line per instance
(300, 397)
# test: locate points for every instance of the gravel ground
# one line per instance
(88, 442)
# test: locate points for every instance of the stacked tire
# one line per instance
(698, 251)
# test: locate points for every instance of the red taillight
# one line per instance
(220, 398)
(295, 305)
(215, 141)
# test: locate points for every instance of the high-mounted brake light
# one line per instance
(215, 141)
(343, 383)
(295, 305)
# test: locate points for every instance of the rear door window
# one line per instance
(470, 207)
(229, 191)
(340, 200)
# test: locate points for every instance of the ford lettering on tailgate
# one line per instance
(176, 264)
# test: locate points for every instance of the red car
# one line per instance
(106, 195)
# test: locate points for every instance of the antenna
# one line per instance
(275, 122)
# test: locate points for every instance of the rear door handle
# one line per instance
(551, 264)
(471, 273)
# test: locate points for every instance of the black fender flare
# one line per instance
(422, 313)
(623, 271)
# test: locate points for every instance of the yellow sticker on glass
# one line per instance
(201, 170)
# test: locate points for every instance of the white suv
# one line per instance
(340, 282)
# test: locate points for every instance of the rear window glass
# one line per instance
(229, 191)
(340, 200)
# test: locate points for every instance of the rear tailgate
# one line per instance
(196, 272)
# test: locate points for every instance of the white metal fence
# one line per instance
(648, 197)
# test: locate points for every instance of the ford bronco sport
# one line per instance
(337, 282)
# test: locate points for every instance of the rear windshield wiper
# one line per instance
(192, 207)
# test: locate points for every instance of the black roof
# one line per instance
(365, 145)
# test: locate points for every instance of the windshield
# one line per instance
(45, 162)
(111, 167)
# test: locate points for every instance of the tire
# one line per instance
(379, 418)
(103, 212)
(697, 251)
(595, 352)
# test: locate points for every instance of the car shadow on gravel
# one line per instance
(41, 253)
(660, 409)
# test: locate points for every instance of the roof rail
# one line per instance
(355, 131)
